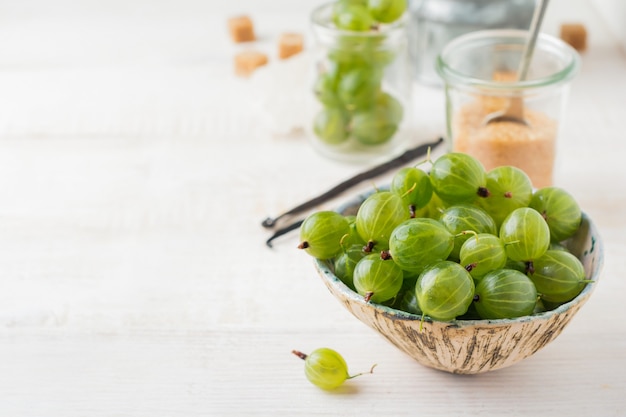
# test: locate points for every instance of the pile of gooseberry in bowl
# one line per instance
(466, 271)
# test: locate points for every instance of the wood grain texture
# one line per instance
(134, 277)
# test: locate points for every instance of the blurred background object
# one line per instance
(436, 22)
(361, 83)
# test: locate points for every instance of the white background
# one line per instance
(134, 172)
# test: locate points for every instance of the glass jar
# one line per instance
(434, 23)
(361, 89)
(480, 74)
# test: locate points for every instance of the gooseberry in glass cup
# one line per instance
(361, 82)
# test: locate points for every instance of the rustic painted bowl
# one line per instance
(472, 346)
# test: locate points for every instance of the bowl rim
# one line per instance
(324, 267)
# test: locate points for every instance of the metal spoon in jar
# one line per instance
(514, 112)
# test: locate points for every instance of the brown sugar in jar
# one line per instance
(480, 71)
(531, 148)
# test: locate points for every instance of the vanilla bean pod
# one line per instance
(398, 161)
(283, 231)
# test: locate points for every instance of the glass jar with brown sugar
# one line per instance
(480, 74)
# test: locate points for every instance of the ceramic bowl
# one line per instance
(472, 346)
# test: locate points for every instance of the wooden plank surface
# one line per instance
(134, 278)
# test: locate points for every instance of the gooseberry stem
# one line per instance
(344, 237)
(299, 354)
(467, 232)
(410, 190)
(371, 371)
(427, 159)
(368, 296)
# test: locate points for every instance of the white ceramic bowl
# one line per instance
(472, 346)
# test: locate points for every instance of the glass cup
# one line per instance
(480, 74)
(361, 89)
(434, 23)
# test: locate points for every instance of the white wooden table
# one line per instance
(134, 279)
